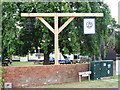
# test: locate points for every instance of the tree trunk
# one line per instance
(36, 49)
(46, 59)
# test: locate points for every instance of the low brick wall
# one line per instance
(31, 76)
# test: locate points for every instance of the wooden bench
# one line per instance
(84, 74)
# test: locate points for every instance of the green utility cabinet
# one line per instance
(101, 69)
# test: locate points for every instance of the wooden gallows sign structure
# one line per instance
(56, 30)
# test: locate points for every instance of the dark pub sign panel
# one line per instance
(110, 52)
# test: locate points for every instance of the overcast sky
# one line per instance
(113, 5)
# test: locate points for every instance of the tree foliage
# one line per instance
(16, 41)
(118, 42)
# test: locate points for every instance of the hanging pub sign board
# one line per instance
(89, 25)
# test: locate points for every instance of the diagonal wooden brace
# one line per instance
(65, 24)
(46, 24)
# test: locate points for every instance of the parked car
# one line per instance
(66, 61)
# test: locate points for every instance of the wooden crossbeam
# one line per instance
(65, 24)
(46, 24)
(62, 14)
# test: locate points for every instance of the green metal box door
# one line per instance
(94, 68)
(110, 68)
(103, 68)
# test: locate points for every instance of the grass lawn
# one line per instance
(17, 63)
(23, 64)
(85, 84)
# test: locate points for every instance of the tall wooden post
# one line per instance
(56, 43)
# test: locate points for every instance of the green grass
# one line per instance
(115, 77)
(84, 84)
(23, 64)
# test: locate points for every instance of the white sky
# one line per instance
(113, 5)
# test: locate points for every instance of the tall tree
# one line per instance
(22, 36)
(42, 37)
